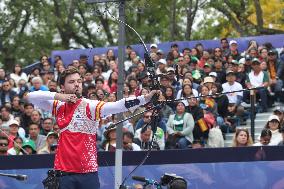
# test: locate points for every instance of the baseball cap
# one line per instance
(163, 61)
(235, 62)
(255, 60)
(230, 72)
(208, 79)
(273, 117)
(52, 133)
(207, 65)
(160, 51)
(242, 61)
(13, 122)
(272, 51)
(213, 74)
(170, 69)
(278, 109)
(233, 42)
(153, 46)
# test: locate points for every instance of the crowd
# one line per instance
(193, 122)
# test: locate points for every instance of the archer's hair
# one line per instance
(65, 73)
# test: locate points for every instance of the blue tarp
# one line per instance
(68, 55)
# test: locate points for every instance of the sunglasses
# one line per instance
(4, 144)
(147, 116)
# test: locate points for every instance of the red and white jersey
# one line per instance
(78, 123)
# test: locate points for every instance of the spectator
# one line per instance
(17, 74)
(280, 113)
(29, 147)
(6, 93)
(146, 120)
(265, 138)
(180, 127)
(34, 135)
(258, 78)
(130, 62)
(17, 145)
(37, 85)
(218, 68)
(224, 46)
(2, 76)
(6, 115)
(36, 117)
(242, 138)
(50, 145)
(47, 126)
(13, 132)
(112, 82)
(234, 50)
(26, 116)
(144, 137)
(17, 107)
(273, 124)
(83, 60)
(128, 142)
(109, 144)
(162, 67)
(3, 145)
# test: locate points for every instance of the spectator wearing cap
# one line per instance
(207, 69)
(241, 76)
(37, 85)
(13, 132)
(280, 113)
(171, 75)
(143, 80)
(248, 62)
(234, 50)
(273, 124)
(275, 72)
(3, 145)
(50, 144)
(6, 93)
(109, 144)
(153, 48)
(281, 143)
(162, 67)
(236, 98)
(213, 75)
(258, 78)
(160, 53)
(208, 81)
(29, 147)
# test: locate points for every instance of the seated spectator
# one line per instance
(50, 145)
(280, 113)
(6, 115)
(17, 106)
(112, 82)
(236, 98)
(109, 144)
(200, 130)
(6, 93)
(37, 85)
(179, 128)
(13, 132)
(128, 142)
(17, 74)
(16, 150)
(29, 147)
(4, 141)
(273, 124)
(265, 137)
(147, 118)
(258, 78)
(143, 138)
(26, 116)
(34, 135)
(242, 138)
(47, 126)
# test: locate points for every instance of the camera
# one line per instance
(172, 181)
(53, 147)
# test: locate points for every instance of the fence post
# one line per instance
(252, 113)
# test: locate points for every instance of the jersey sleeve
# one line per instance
(44, 100)
(101, 109)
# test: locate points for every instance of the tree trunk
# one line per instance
(191, 12)
(259, 15)
(173, 25)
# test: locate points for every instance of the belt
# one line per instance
(63, 173)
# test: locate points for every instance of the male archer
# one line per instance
(78, 118)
